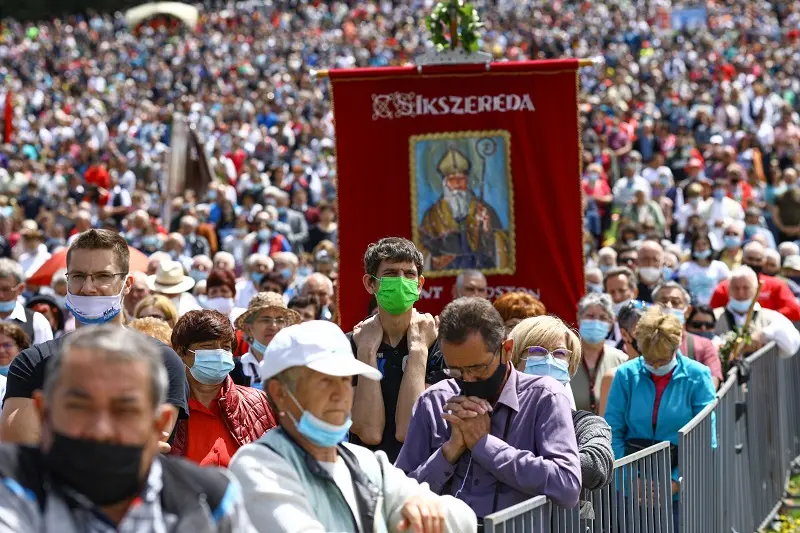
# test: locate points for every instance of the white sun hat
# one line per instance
(319, 345)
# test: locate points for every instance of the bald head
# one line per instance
(651, 254)
(753, 256)
(319, 285)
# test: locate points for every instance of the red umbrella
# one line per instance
(58, 260)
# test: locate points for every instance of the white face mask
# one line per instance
(618, 307)
(94, 309)
(223, 305)
(650, 274)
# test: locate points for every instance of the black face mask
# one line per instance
(103, 472)
(485, 389)
(758, 269)
(705, 334)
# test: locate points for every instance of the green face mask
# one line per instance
(396, 295)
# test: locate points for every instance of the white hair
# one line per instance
(607, 251)
(226, 257)
(254, 260)
(788, 248)
(772, 254)
(594, 271)
(11, 269)
(744, 272)
(468, 274)
(59, 277)
(287, 257)
(189, 220)
(738, 225)
(202, 260)
(753, 245)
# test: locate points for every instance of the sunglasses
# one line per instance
(707, 326)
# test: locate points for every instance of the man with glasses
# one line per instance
(491, 435)
(398, 341)
(97, 282)
(12, 284)
(675, 300)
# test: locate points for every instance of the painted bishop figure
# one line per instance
(461, 231)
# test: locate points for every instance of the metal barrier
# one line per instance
(639, 499)
(530, 516)
(736, 486)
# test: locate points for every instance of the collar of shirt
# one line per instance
(509, 396)
(249, 362)
(18, 313)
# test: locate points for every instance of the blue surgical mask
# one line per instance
(739, 306)
(318, 431)
(173, 254)
(550, 366)
(680, 314)
(257, 277)
(594, 331)
(594, 287)
(719, 194)
(198, 275)
(4, 370)
(669, 273)
(286, 273)
(7, 307)
(211, 366)
(304, 271)
(751, 229)
(260, 347)
(705, 254)
(663, 370)
(732, 241)
(263, 234)
(604, 268)
(150, 241)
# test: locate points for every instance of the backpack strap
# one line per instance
(185, 484)
(690, 346)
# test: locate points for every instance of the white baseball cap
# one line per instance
(318, 345)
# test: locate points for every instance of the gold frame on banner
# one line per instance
(511, 248)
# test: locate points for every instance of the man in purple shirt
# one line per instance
(491, 436)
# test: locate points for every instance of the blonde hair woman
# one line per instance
(654, 395)
(157, 306)
(546, 346)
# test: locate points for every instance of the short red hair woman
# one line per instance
(223, 416)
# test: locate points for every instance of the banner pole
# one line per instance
(586, 62)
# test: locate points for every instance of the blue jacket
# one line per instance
(629, 411)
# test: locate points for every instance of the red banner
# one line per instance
(8, 118)
(479, 167)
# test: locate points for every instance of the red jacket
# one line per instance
(247, 416)
(775, 295)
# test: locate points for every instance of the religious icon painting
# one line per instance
(462, 202)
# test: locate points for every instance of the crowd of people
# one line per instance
(128, 340)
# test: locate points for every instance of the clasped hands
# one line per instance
(470, 421)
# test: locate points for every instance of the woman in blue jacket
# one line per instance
(655, 395)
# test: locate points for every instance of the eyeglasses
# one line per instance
(538, 353)
(270, 321)
(8, 346)
(101, 280)
(458, 373)
(707, 326)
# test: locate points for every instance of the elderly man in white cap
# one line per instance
(171, 281)
(302, 477)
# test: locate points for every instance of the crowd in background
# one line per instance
(691, 152)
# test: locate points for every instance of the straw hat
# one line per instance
(29, 228)
(268, 300)
(170, 279)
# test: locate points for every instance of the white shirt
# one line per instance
(779, 329)
(701, 281)
(341, 476)
(31, 261)
(250, 367)
(185, 302)
(42, 332)
(3, 386)
(245, 290)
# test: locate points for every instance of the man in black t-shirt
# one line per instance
(398, 341)
(97, 282)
